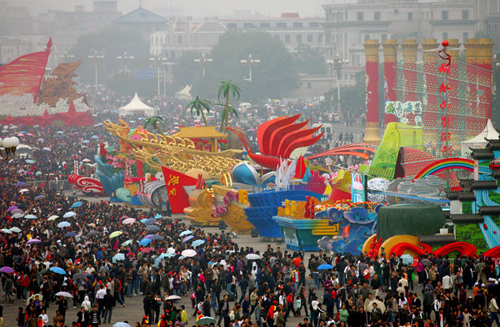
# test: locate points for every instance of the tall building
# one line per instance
(347, 26)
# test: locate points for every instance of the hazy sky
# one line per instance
(194, 8)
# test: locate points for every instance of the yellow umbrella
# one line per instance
(115, 234)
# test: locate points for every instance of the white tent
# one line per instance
(479, 141)
(136, 106)
(184, 94)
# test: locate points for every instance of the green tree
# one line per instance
(309, 60)
(186, 71)
(272, 76)
(226, 89)
(155, 121)
(198, 105)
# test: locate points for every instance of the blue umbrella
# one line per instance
(190, 237)
(163, 255)
(325, 267)
(76, 204)
(155, 237)
(85, 141)
(158, 216)
(70, 234)
(148, 221)
(153, 227)
(95, 137)
(58, 270)
(118, 257)
(198, 243)
(63, 224)
(20, 184)
(407, 259)
(145, 241)
(186, 232)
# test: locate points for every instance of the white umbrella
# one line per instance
(188, 253)
(53, 217)
(17, 215)
(173, 297)
(171, 250)
(69, 214)
(63, 224)
(64, 294)
(24, 190)
(253, 256)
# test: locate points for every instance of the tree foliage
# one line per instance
(274, 74)
(309, 60)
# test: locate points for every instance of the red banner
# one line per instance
(25, 74)
(175, 183)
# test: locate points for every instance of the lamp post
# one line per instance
(125, 57)
(250, 62)
(66, 55)
(337, 64)
(158, 60)
(10, 145)
(96, 56)
(203, 60)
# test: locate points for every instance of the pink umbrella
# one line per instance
(12, 208)
(16, 211)
(33, 240)
(129, 221)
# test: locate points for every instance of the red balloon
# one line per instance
(445, 43)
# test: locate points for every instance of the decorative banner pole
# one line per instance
(444, 69)
(390, 54)
(372, 131)
(431, 84)
(410, 72)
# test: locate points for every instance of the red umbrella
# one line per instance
(147, 250)
(296, 261)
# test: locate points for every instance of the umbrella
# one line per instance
(40, 297)
(407, 259)
(40, 197)
(24, 190)
(206, 321)
(188, 253)
(190, 237)
(70, 234)
(17, 215)
(186, 232)
(171, 251)
(92, 233)
(34, 240)
(46, 149)
(145, 241)
(127, 243)
(20, 184)
(118, 257)
(115, 234)
(12, 208)
(198, 243)
(69, 214)
(53, 217)
(296, 261)
(95, 137)
(6, 270)
(173, 297)
(6, 231)
(86, 160)
(325, 267)
(92, 225)
(147, 250)
(148, 221)
(64, 294)
(129, 221)
(58, 270)
(121, 324)
(79, 276)
(40, 140)
(162, 256)
(63, 224)
(30, 217)
(153, 228)
(30, 161)
(253, 256)
(155, 237)
(16, 211)
(85, 141)
(76, 204)
(15, 229)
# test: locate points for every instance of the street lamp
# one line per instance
(336, 64)
(10, 145)
(250, 61)
(96, 56)
(125, 58)
(203, 61)
(66, 55)
(158, 60)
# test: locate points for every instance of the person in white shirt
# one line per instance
(45, 317)
(446, 283)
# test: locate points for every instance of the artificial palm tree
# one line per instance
(155, 121)
(198, 105)
(227, 88)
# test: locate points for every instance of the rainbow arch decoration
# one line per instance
(446, 164)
